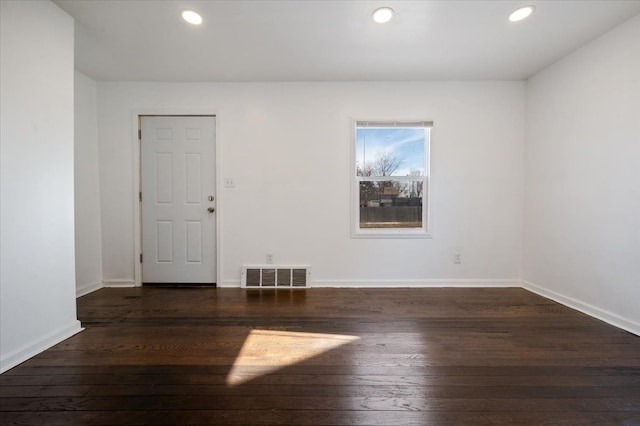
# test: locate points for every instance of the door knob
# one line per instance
(211, 210)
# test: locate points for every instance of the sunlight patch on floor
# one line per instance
(266, 351)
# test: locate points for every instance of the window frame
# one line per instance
(356, 230)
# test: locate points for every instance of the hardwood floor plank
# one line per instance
(375, 391)
(283, 378)
(27, 370)
(315, 417)
(389, 403)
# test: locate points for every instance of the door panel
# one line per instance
(164, 178)
(177, 180)
(164, 241)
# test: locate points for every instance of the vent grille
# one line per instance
(275, 276)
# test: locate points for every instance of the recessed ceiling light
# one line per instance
(192, 17)
(382, 15)
(521, 13)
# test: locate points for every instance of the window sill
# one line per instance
(397, 234)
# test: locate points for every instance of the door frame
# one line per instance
(136, 146)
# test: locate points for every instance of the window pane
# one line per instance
(396, 151)
(391, 204)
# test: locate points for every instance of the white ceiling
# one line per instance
(335, 40)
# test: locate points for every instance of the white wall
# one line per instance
(88, 242)
(37, 285)
(582, 208)
(287, 145)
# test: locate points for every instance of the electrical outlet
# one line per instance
(457, 258)
(269, 259)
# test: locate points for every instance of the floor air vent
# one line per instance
(275, 276)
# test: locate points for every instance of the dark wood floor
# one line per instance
(156, 356)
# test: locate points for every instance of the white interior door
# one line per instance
(178, 190)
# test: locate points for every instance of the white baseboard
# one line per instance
(23, 353)
(593, 311)
(119, 283)
(416, 283)
(84, 289)
(349, 283)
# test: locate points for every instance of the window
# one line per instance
(391, 179)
